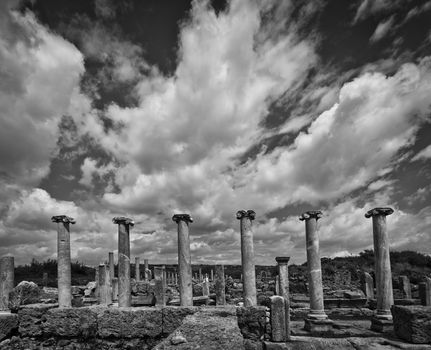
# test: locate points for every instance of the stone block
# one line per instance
(173, 317)
(8, 323)
(129, 322)
(30, 319)
(278, 319)
(251, 321)
(412, 323)
(318, 326)
(70, 322)
(23, 294)
(381, 325)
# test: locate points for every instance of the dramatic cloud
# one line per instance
(382, 30)
(423, 154)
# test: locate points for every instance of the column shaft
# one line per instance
(137, 269)
(111, 265)
(7, 280)
(64, 273)
(247, 257)
(184, 264)
(146, 275)
(124, 289)
(220, 285)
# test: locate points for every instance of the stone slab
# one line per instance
(30, 319)
(70, 322)
(412, 323)
(173, 317)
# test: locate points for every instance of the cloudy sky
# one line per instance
(150, 108)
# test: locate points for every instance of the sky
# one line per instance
(149, 108)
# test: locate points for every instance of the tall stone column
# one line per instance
(111, 266)
(317, 318)
(137, 269)
(184, 258)
(63, 260)
(382, 320)
(283, 287)
(7, 280)
(212, 275)
(247, 256)
(220, 285)
(124, 288)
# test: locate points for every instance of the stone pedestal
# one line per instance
(316, 319)
(278, 319)
(283, 287)
(7, 280)
(159, 288)
(184, 259)
(385, 298)
(137, 269)
(220, 285)
(247, 256)
(124, 288)
(63, 260)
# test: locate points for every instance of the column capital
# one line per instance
(182, 217)
(245, 214)
(63, 218)
(378, 211)
(123, 220)
(282, 259)
(312, 214)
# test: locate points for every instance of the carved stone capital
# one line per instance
(63, 218)
(245, 214)
(282, 259)
(378, 211)
(312, 214)
(182, 217)
(123, 220)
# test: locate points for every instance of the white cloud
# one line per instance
(382, 29)
(40, 72)
(423, 154)
(369, 8)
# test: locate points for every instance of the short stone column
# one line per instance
(45, 279)
(382, 320)
(212, 275)
(200, 275)
(283, 287)
(367, 285)
(147, 275)
(220, 285)
(176, 278)
(63, 260)
(137, 269)
(105, 289)
(247, 256)
(7, 280)
(425, 292)
(111, 265)
(406, 287)
(96, 279)
(206, 287)
(124, 288)
(278, 319)
(159, 287)
(184, 259)
(316, 319)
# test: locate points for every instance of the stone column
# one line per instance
(7, 281)
(184, 258)
(105, 289)
(176, 278)
(45, 279)
(206, 287)
(317, 318)
(278, 319)
(96, 279)
(115, 289)
(382, 320)
(63, 260)
(283, 287)
(425, 292)
(159, 287)
(247, 256)
(200, 275)
(124, 288)
(212, 275)
(406, 288)
(137, 269)
(111, 265)
(220, 285)
(146, 276)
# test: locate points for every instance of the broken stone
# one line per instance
(178, 338)
(23, 294)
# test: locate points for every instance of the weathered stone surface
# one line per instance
(23, 294)
(412, 323)
(30, 319)
(207, 330)
(129, 322)
(70, 322)
(173, 316)
(278, 319)
(251, 321)
(8, 323)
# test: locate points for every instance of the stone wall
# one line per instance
(95, 327)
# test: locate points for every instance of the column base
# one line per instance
(318, 326)
(382, 324)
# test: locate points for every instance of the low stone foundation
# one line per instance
(47, 327)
